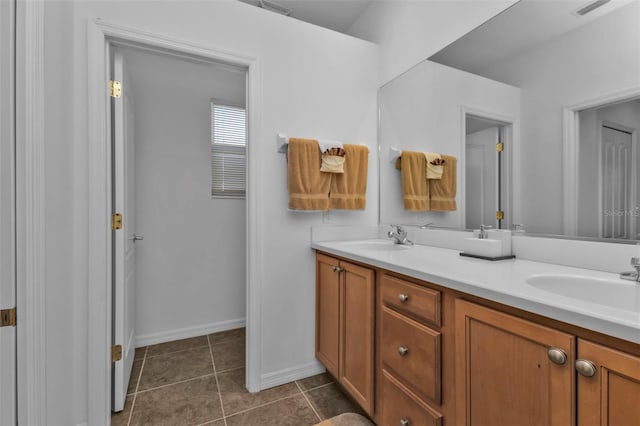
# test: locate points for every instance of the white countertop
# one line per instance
(502, 281)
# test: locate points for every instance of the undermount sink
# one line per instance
(614, 293)
(377, 245)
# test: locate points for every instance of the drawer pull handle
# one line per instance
(403, 298)
(404, 422)
(557, 356)
(403, 350)
(585, 367)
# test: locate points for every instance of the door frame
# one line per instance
(571, 150)
(101, 36)
(511, 160)
(30, 213)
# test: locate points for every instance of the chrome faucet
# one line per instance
(399, 235)
(483, 232)
(632, 275)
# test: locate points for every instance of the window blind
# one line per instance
(228, 150)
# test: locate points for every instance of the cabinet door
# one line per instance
(356, 353)
(328, 312)
(611, 397)
(503, 372)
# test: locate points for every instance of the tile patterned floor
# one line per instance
(200, 381)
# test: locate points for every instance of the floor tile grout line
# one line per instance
(180, 350)
(263, 405)
(308, 401)
(213, 362)
(317, 387)
(229, 369)
(135, 392)
(210, 421)
(176, 383)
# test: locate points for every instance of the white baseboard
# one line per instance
(185, 333)
(288, 375)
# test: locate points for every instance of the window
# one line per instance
(228, 150)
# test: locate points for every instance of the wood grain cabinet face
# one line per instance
(345, 325)
(412, 352)
(328, 313)
(420, 302)
(504, 376)
(357, 328)
(400, 407)
(611, 397)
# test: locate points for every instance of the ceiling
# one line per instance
(525, 25)
(337, 15)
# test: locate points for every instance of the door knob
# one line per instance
(404, 422)
(585, 367)
(403, 350)
(337, 269)
(403, 297)
(137, 238)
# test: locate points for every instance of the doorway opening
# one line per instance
(179, 137)
(487, 201)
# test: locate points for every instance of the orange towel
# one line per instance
(415, 186)
(308, 187)
(349, 189)
(443, 191)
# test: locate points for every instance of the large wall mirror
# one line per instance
(541, 107)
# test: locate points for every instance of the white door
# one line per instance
(123, 239)
(481, 178)
(7, 213)
(617, 184)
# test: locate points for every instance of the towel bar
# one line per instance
(282, 142)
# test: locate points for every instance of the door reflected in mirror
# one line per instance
(484, 195)
(608, 171)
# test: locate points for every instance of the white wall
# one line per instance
(410, 31)
(193, 256)
(594, 60)
(314, 82)
(422, 111)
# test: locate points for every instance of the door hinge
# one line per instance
(116, 88)
(499, 147)
(499, 215)
(8, 317)
(116, 353)
(116, 221)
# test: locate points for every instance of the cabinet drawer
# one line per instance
(401, 408)
(412, 352)
(416, 300)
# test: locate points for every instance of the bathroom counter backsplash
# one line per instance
(501, 281)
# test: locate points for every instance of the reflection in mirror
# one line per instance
(609, 158)
(484, 147)
(548, 75)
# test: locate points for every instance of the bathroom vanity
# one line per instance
(422, 336)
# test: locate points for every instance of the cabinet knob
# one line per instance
(337, 269)
(404, 422)
(403, 350)
(557, 356)
(585, 367)
(403, 297)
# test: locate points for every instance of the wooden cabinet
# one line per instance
(439, 356)
(611, 397)
(345, 325)
(410, 353)
(504, 374)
